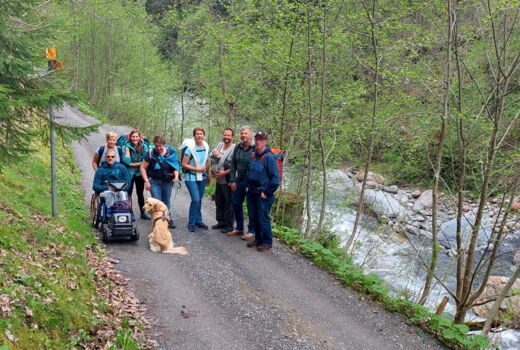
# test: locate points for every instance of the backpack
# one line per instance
(278, 156)
(121, 140)
(154, 160)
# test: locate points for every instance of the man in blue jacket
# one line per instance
(262, 182)
(110, 170)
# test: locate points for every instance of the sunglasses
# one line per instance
(108, 157)
(260, 135)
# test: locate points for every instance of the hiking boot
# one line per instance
(191, 228)
(235, 233)
(217, 226)
(263, 247)
(202, 226)
(145, 216)
(226, 229)
(248, 236)
(172, 224)
(252, 244)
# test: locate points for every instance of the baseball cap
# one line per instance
(260, 135)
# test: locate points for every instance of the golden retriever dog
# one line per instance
(161, 238)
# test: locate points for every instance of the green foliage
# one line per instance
(46, 279)
(454, 335)
(115, 64)
(210, 189)
(27, 90)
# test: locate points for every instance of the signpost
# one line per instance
(53, 64)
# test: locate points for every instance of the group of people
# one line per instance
(246, 171)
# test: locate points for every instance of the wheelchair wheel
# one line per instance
(135, 234)
(106, 233)
(94, 204)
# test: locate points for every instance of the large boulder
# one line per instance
(370, 177)
(448, 232)
(423, 202)
(495, 284)
(383, 204)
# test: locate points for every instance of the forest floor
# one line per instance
(226, 296)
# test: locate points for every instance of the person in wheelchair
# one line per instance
(110, 170)
(111, 210)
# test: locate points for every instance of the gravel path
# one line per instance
(226, 296)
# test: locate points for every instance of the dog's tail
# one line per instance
(176, 250)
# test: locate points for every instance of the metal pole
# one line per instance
(53, 162)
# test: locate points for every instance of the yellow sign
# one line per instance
(51, 53)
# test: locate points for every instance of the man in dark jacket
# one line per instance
(262, 182)
(110, 170)
(237, 182)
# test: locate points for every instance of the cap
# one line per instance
(260, 135)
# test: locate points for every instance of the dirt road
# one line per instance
(226, 296)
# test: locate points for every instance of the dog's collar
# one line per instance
(164, 217)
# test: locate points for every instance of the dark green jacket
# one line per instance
(240, 163)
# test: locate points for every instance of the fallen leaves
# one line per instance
(122, 304)
(5, 305)
(9, 335)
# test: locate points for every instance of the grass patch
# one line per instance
(337, 262)
(48, 298)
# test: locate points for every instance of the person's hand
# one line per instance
(263, 196)
(200, 168)
(147, 186)
(233, 186)
(219, 174)
(208, 180)
(175, 179)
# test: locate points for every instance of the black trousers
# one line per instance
(225, 215)
(139, 187)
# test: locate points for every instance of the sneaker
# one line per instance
(263, 247)
(172, 224)
(191, 228)
(145, 216)
(248, 236)
(217, 226)
(252, 244)
(226, 229)
(235, 233)
(202, 226)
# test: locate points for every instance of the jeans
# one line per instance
(162, 191)
(224, 206)
(259, 216)
(238, 199)
(139, 188)
(196, 189)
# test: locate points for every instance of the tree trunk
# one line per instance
(309, 139)
(375, 88)
(440, 152)
(321, 125)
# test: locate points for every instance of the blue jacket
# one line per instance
(262, 174)
(114, 173)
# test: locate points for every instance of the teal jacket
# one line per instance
(116, 172)
(135, 157)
